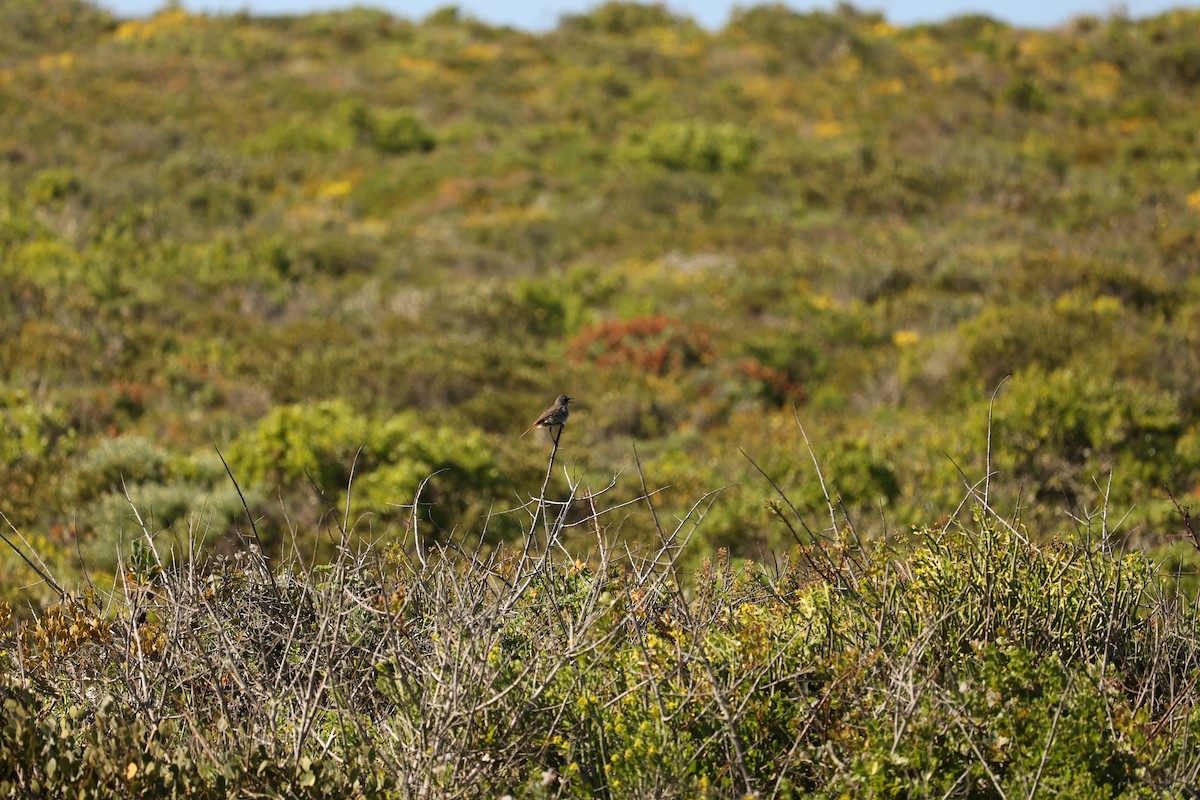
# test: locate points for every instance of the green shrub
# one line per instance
(547, 308)
(622, 18)
(1014, 717)
(104, 748)
(53, 185)
(457, 464)
(809, 39)
(694, 146)
(49, 263)
(301, 136)
(326, 443)
(1026, 94)
(30, 28)
(391, 132)
(1003, 341)
(116, 463)
(198, 514)
(35, 445)
(1060, 433)
(299, 443)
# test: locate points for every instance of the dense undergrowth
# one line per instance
(958, 661)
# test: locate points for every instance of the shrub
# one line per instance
(653, 345)
(455, 464)
(201, 513)
(391, 132)
(1026, 94)
(777, 368)
(299, 443)
(115, 463)
(1003, 341)
(49, 263)
(545, 308)
(317, 448)
(1058, 433)
(694, 146)
(772, 387)
(811, 40)
(105, 748)
(301, 136)
(965, 655)
(622, 18)
(53, 185)
(32, 28)
(35, 445)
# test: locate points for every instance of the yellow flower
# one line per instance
(336, 189)
(56, 61)
(478, 51)
(827, 129)
(147, 29)
(1098, 81)
(888, 87)
(942, 74)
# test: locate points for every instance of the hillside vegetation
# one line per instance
(886, 343)
(354, 243)
(292, 238)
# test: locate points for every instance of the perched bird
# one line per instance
(555, 416)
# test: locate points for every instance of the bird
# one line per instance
(553, 417)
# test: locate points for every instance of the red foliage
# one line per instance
(655, 345)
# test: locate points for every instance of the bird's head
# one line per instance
(563, 399)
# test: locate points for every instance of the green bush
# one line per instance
(200, 515)
(546, 308)
(104, 748)
(1026, 94)
(617, 18)
(35, 445)
(1060, 433)
(391, 132)
(1003, 341)
(296, 444)
(458, 465)
(810, 40)
(53, 185)
(694, 146)
(115, 464)
(301, 136)
(299, 449)
(1015, 719)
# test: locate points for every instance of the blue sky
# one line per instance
(542, 14)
